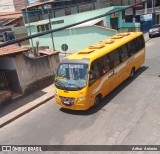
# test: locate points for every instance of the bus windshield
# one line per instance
(71, 76)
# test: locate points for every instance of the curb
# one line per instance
(9, 120)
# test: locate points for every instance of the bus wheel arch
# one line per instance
(97, 99)
(132, 72)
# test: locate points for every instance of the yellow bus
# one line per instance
(84, 78)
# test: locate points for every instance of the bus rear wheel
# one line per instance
(132, 73)
(97, 100)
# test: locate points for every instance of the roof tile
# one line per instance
(11, 49)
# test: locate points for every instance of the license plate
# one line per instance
(66, 102)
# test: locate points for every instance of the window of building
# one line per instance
(68, 11)
(42, 28)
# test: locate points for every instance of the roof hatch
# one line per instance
(108, 41)
(117, 37)
(122, 34)
(97, 46)
(86, 51)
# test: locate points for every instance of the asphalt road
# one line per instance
(129, 115)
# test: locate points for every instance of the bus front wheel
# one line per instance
(97, 100)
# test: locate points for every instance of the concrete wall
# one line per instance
(35, 73)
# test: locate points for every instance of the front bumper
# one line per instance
(81, 105)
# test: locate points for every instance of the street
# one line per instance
(128, 115)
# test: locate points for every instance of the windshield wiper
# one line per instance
(76, 85)
(60, 83)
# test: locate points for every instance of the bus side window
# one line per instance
(132, 47)
(140, 43)
(115, 58)
(105, 64)
(95, 71)
(124, 52)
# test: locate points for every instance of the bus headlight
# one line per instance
(81, 99)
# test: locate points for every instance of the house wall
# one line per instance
(19, 4)
(7, 8)
(36, 73)
(76, 38)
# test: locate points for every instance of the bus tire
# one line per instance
(97, 100)
(132, 72)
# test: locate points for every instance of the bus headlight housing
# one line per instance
(81, 99)
(55, 91)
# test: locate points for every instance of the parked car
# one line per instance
(154, 31)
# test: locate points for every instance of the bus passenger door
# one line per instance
(115, 62)
(94, 81)
(124, 69)
(113, 80)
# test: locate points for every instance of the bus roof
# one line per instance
(101, 48)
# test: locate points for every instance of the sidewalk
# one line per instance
(23, 105)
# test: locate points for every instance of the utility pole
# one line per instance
(153, 6)
(153, 11)
(145, 12)
(50, 25)
(26, 13)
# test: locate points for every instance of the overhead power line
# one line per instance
(68, 26)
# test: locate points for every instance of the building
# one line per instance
(7, 23)
(7, 18)
(56, 14)
(12, 5)
(12, 23)
(22, 73)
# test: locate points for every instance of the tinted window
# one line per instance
(115, 58)
(96, 69)
(132, 47)
(124, 52)
(105, 64)
(140, 42)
